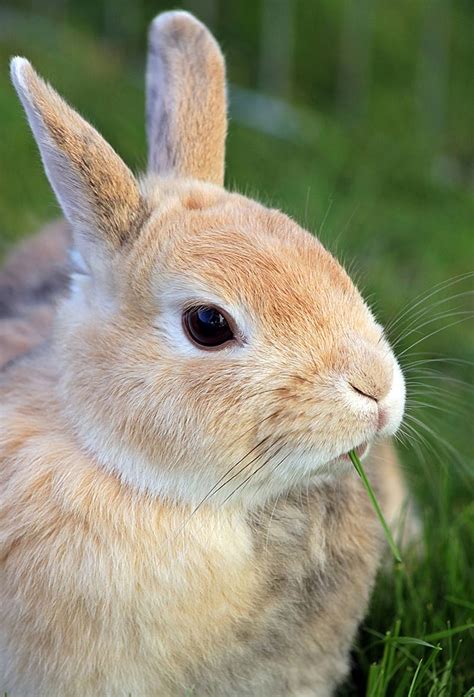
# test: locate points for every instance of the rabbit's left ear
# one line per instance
(96, 190)
(186, 99)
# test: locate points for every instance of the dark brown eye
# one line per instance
(207, 327)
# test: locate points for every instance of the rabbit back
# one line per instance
(33, 278)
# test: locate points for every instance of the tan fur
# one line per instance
(155, 600)
(186, 128)
(76, 158)
(175, 519)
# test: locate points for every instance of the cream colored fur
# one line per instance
(175, 519)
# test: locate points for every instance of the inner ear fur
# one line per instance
(186, 99)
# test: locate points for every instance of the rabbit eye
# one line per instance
(207, 327)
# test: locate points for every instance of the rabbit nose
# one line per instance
(364, 391)
(372, 381)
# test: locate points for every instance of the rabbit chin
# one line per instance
(291, 468)
(214, 484)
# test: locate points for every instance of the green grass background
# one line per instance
(385, 179)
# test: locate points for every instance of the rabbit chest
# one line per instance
(106, 592)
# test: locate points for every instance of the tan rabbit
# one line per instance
(178, 512)
(33, 277)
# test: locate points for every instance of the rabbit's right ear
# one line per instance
(186, 99)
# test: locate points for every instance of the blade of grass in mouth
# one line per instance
(360, 471)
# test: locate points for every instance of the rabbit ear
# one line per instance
(96, 190)
(186, 99)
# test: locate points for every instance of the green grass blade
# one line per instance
(449, 632)
(461, 602)
(411, 692)
(360, 471)
(416, 642)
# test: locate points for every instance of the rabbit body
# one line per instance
(33, 278)
(177, 517)
(108, 592)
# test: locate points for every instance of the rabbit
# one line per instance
(178, 512)
(33, 277)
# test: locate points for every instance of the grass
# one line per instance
(370, 492)
(374, 195)
(408, 665)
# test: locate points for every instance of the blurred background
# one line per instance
(354, 116)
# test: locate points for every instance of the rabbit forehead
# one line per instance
(254, 258)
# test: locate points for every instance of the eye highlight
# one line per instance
(207, 327)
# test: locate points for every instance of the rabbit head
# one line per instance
(210, 349)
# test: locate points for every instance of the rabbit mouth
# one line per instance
(361, 451)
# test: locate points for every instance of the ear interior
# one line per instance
(96, 190)
(186, 99)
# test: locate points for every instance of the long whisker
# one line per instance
(446, 360)
(246, 466)
(444, 404)
(440, 440)
(431, 374)
(425, 296)
(447, 409)
(436, 331)
(452, 393)
(415, 318)
(217, 488)
(252, 474)
(431, 320)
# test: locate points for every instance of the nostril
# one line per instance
(364, 392)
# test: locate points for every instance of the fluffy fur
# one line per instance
(175, 519)
(32, 279)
